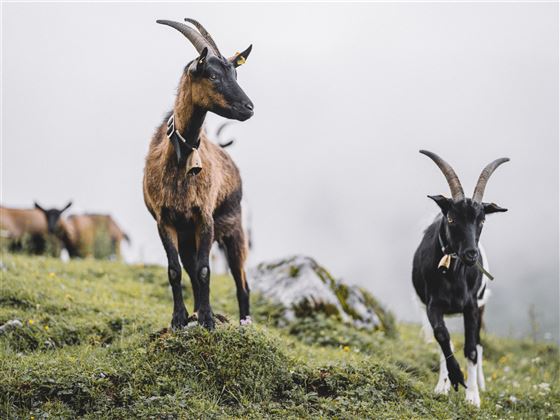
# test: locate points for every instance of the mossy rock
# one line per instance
(304, 288)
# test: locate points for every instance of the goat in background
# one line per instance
(92, 235)
(80, 234)
(34, 224)
(448, 275)
(191, 186)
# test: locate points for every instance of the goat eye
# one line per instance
(450, 220)
(481, 222)
(212, 76)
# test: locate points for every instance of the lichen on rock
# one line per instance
(303, 287)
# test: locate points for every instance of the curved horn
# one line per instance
(484, 177)
(221, 128)
(450, 175)
(226, 144)
(196, 39)
(205, 34)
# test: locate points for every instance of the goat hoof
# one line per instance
(472, 397)
(245, 321)
(443, 387)
(455, 375)
(179, 320)
(206, 320)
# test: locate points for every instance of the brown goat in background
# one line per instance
(83, 234)
(191, 186)
(17, 225)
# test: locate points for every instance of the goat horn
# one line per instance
(484, 177)
(221, 128)
(205, 34)
(450, 175)
(198, 41)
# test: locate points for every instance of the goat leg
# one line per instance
(168, 237)
(441, 334)
(205, 237)
(236, 251)
(471, 319)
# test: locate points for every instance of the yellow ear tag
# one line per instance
(240, 60)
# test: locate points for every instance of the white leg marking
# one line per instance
(472, 385)
(246, 321)
(479, 372)
(444, 385)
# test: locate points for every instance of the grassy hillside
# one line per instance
(94, 343)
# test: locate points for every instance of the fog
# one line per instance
(345, 96)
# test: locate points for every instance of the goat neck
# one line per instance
(189, 119)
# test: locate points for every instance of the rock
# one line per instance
(13, 323)
(301, 286)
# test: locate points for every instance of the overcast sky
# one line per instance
(344, 96)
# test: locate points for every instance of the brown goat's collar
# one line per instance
(183, 147)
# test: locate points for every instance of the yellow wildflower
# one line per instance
(46, 327)
(346, 348)
(30, 322)
(51, 274)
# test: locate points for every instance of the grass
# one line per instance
(95, 344)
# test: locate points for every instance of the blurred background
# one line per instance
(344, 96)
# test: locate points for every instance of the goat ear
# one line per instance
(38, 207)
(201, 60)
(443, 202)
(490, 208)
(240, 58)
(66, 207)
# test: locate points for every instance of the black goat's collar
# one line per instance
(445, 248)
(448, 255)
(183, 147)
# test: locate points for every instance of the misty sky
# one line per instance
(344, 96)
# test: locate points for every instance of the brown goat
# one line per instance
(191, 186)
(16, 224)
(79, 234)
(34, 224)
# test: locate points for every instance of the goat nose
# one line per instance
(249, 106)
(471, 254)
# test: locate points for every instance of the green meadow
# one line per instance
(94, 343)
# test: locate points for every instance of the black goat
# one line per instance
(447, 274)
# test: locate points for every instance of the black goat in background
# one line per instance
(448, 277)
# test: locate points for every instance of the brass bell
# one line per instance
(194, 163)
(444, 263)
